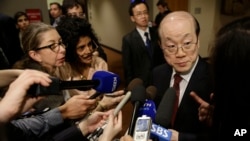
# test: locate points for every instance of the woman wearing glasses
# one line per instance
(45, 51)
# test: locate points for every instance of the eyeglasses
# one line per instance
(74, 14)
(186, 47)
(55, 47)
(140, 14)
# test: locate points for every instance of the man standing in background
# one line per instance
(10, 49)
(55, 13)
(140, 48)
(163, 11)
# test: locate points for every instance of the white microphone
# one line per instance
(99, 131)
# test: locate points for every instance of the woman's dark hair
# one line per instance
(230, 60)
(231, 52)
(71, 29)
(18, 15)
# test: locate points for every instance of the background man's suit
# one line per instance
(137, 62)
(9, 41)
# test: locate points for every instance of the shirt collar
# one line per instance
(141, 32)
(187, 76)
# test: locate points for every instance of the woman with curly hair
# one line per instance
(81, 57)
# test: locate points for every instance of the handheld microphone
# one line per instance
(165, 108)
(151, 92)
(99, 130)
(133, 83)
(137, 98)
(102, 82)
(160, 133)
(157, 132)
(149, 107)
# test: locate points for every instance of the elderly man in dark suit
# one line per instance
(179, 39)
(140, 49)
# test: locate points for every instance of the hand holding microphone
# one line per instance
(113, 127)
(163, 114)
(99, 131)
(102, 82)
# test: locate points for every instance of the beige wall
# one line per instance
(10, 7)
(111, 20)
(49, 1)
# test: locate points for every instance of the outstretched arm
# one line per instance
(9, 75)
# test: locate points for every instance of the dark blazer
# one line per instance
(9, 40)
(13, 133)
(186, 122)
(137, 62)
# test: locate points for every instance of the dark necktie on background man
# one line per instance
(148, 43)
(176, 86)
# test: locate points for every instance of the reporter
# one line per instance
(230, 68)
(81, 62)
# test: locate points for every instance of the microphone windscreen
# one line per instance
(151, 92)
(138, 94)
(165, 108)
(148, 109)
(133, 83)
(109, 81)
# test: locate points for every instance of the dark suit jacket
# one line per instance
(9, 39)
(137, 62)
(186, 122)
(13, 133)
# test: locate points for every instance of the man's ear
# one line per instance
(35, 56)
(17, 26)
(132, 18)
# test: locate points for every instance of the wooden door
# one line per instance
(175, 5)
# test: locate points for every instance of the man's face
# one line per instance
(179, 43)
(140, 15)
(161, 8)
(22, 22)
(55, 11)
(76, 11)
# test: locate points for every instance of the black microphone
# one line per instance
(133, 83)
(166, 108)
(138, 97)
(102, 82)
(151, 92)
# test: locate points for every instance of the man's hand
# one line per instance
(16, 99)
(205, 110)
(114, 126)
(77, 107)
(91, 123)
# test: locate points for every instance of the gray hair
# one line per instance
(31, 37)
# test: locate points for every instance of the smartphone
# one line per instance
(142, 128)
